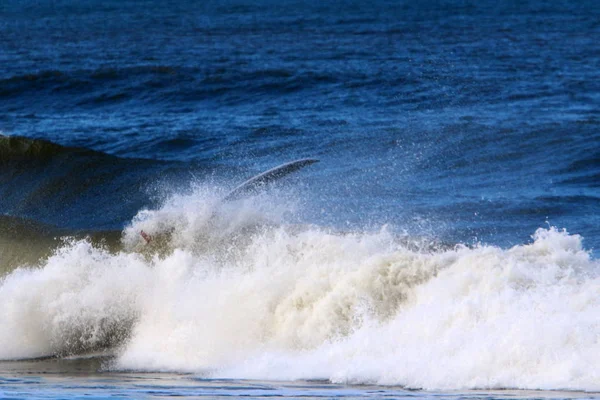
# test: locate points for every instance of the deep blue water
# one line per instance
(469, 121)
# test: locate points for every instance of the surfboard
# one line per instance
(259, 181)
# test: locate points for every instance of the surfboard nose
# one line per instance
(268, 176)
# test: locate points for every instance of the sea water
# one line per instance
(445, 246)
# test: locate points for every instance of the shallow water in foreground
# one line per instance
(85, 377)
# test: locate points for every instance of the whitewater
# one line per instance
(238, 291)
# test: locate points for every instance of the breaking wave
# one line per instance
(237, 291)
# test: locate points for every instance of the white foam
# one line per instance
(523, 318)
(298, 303)
(79, 297)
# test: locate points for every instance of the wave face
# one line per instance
(77, 188)
(235, 291)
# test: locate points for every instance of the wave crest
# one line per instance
(304, 303)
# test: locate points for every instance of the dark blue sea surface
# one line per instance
(469, 121)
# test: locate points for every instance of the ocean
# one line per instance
(445, 246)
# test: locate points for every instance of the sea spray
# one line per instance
(262, 299)
(82, 299)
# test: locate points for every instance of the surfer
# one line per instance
(257, 182)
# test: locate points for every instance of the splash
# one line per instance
(235, 291)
